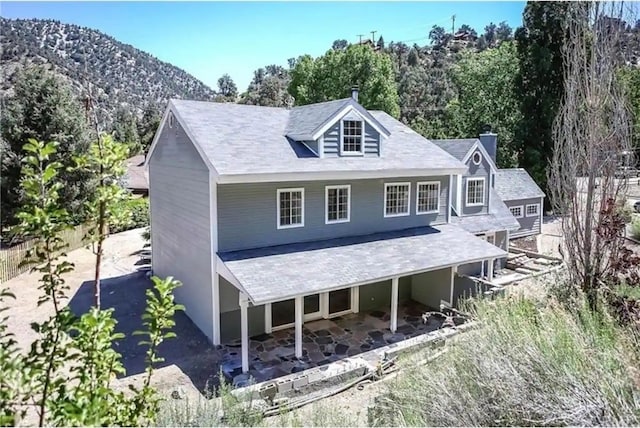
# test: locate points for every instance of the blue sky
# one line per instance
(208, 39)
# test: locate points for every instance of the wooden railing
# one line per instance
(11, 259)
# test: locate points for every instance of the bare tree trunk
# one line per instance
(592, 128)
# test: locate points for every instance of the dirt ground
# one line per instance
(190, 360)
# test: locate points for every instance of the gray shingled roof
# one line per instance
(136, 174)
(456, 147)
(498, 218)
(304, 121)
(516, 183)
(243, 139)
(282, 272)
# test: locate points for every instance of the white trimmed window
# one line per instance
(290, 208)
(533, 210)
(516, 211)
(428, 197)
(396, 199)
(475, 191)
(337, 204)
(352, 137)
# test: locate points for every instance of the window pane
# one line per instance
(352, 136)
(397, 200)
(290, 208)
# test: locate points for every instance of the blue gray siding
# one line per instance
(430, 288)
(312, 145)
(332, 143)
(180, 222)
(476, 171)
(247, 212)
(528, 225)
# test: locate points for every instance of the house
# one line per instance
(524, 199)
(274, 217)
(135, 178)
(517, 202)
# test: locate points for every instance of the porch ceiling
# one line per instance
(285, 271)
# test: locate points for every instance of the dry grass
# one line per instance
(533, 363)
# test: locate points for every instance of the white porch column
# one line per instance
(299, 315)
(244, 332)
(268, 328)
(454, 270)
(394, 304)
(490, 269)
(215, 297)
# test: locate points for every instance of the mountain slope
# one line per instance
(120, 74)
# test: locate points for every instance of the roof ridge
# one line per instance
(228, 103)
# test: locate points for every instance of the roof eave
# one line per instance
(334, 175)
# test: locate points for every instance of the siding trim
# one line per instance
(334, 175)
(449, 201)
(213, 228)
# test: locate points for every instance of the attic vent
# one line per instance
(171, 120)
(477, 158)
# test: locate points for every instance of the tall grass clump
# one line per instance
(531, 363)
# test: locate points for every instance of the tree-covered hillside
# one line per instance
(121, 75)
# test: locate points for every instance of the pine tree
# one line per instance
(43, 108)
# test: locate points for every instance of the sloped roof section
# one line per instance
(136, 175)
(267, 275)
(240, 140)
(499, 218)
(456, 147)
(516, 183)
(305, 121)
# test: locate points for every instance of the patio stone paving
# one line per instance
(325, 341)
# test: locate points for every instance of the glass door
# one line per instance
(283, 314)
(339, 302)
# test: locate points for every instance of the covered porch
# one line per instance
(380, 283)
(324, 341)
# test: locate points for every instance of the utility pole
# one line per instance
(360, 36)
(373, 36)
(453, 24)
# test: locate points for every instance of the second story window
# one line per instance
(290, 208)
(352, 139)
(396, 199)
(475, 192)
(337, 204)
(428, 197)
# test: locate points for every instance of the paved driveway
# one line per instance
(190, 361)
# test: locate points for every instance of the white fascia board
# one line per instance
(342, 113)
(226, 273)
(171, 109)
(478, 146)
(334, 175)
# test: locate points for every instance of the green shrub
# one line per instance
(139, 209)
(531, 363)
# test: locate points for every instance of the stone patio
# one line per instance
(325, 341)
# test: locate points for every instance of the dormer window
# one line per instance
(352, 137)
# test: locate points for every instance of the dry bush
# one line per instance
(531, 364)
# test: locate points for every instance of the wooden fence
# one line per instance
(11, 258)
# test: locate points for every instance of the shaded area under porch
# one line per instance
(325, 341)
